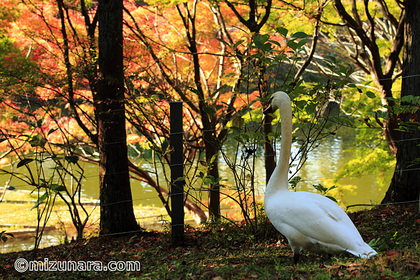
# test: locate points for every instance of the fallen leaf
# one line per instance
(387, 277)
(392, 254)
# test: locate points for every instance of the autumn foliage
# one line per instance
(221, 59)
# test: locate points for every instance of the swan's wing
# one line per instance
(310, 219)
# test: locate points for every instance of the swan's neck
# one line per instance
(279, 178)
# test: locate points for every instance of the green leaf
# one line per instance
(275, 43)
(283, 31)
(52, 130)
(164, 146)
(320, 188)
(57, 187)
(40, 200)
(332, 198)
(294, 181)
(415, 100)
(57, 167)
(370, 94)
(301, 43)
(3, 236)
(43, 197)
(222, 41)
(24, 161)
(300, 103)
(179, 179)
(210, 110)
(333, 187)
(237, 123)
(245, 136)
(293, 45)
(310, 109)
(71, 159)
(239, 139)
(223, 87)
(345, 121)
(300, 35)
(38, 141)
(238, 43)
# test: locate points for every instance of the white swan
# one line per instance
(309, 221)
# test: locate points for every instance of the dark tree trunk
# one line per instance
(269, 154)
(117, 214)
(390, 126)
(405, 184)
(212, 151)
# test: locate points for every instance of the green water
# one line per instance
(328, 158)
(322, 162)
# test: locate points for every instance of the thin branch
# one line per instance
(311, 54)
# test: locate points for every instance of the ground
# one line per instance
(226, 251)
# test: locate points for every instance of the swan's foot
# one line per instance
(295, 258)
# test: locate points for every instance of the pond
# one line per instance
(321, 164)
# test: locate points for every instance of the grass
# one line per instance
(226, 251)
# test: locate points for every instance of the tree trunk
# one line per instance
(389, 126)
(269, 153)
(368, 57)
(116, 203)
(212, 151)
(405, 184)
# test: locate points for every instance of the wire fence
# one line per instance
(136, 200)
(57, 239)
(202, 131)
(316, 178)
(313, 180)
(163, 219)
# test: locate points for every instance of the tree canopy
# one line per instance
(223, 59)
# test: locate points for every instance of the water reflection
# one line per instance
(331, 154)
(321, 164)
(24, 241)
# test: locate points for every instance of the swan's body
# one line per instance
(309, 221)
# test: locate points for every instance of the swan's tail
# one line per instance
(366, 253)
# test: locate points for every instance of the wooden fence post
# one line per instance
(177, 172)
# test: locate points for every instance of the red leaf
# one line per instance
(392, 253)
